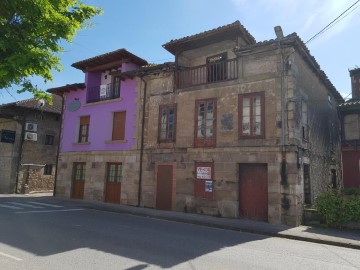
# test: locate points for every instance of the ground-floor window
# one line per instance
(307, 185)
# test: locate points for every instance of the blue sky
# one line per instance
(142, 26)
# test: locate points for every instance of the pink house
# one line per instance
(99, 146)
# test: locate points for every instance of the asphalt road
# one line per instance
(38, 233)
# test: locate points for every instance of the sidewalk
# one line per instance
(341, 238)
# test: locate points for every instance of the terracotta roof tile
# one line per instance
(107, 58)
(235, 27)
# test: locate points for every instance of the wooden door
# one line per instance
(78, 181)
(253, 191)
(164, 188)
(113, 183)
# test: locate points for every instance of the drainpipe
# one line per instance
(142, 141)
(280, 36)
(22, 123)
(59, 143)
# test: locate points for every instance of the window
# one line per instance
(48, 169)
(205, 123)
(114, 172)
(49, 139)
(116, 86)
(352, 127)
(118, 132)
(251, 115)
(84, 129)
(304, 121)
(307, 185)
(79, 171)
(216, 67)
(167, 123)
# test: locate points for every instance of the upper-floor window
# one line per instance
(118, 132)
(251, 115)
(84, 129)
(205, 123)
(352, 127)
(167, 123)
(49, 139)
(304, 121)
(216, 67)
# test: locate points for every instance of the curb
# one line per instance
(227, 227)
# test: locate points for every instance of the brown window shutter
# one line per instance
(118, 132)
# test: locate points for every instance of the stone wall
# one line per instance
(95, 174)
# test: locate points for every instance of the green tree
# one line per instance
(30, 34)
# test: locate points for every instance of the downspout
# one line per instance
(142, 142)
(59, 143)
(22, 123)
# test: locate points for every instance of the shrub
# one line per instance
(331, 207)
(336, 210)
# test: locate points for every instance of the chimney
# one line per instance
(278, 32)
(355, 82)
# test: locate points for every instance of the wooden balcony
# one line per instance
(103, 92)
(205, 74)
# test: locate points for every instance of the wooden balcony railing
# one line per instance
(103, 92)
(205, 74)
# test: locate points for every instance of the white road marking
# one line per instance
(9, 206)
(25, 205)
(46, 204)
(49, 211)
(10, 256)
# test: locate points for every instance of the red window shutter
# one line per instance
(118, 132)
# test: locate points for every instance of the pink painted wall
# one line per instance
(101, 115)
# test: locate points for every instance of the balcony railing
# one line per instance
(103, 92)
(351, 144)
(209, 73)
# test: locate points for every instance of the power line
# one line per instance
(336, 20)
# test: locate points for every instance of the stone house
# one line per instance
(29, 132)
(233, 128)
(349, 112)
(99, 157)
(238, 128)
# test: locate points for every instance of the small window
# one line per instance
(49, 139)
(84, 129)
(118, 132)
(251, 115)
(114, 172)
(48, 169)
(307, 184)
(205, 123)
(167, 123)
(304, 121)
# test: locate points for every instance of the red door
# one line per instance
(253, 191)
(164, 187)
(351, 168)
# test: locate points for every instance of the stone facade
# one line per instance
(301, 128)
(23, 162)
(180, 158)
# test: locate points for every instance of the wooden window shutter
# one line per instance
(118, 132)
